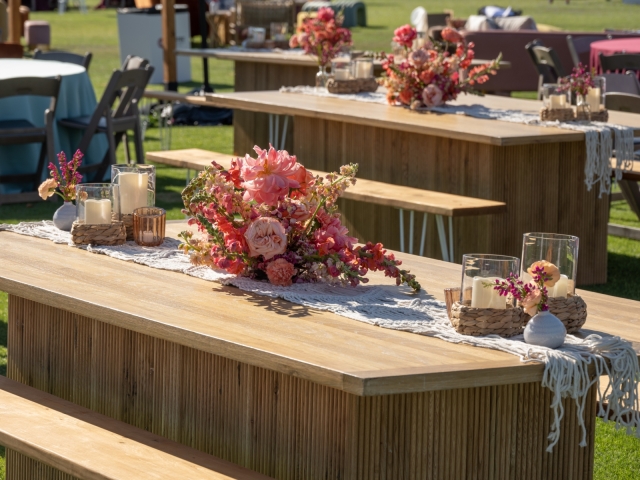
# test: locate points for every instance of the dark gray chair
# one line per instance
(20, 131)
(627, 103)
(546, 62)
(622, 83)
(582, 46)
(620, 62)
(66, 57)
(127, 87)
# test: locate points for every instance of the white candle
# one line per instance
(485, 296)
(526, 278)
(560, 289)
(133, 191)
(342, 74)
(147, 236)
(593, 99)
(97, 212)
(557, 101)
(364, 70)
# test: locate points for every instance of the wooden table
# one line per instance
(537, 171)
(282, 389)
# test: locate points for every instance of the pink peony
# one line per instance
(531, 301)
(432, 96)
(405, 35)
(266, 236)
(280, 272)
(268, 177)
(326, 14)
(451, 35)
(418, 58)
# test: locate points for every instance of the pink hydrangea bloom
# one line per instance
(270, 176)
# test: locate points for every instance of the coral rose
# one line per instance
(280, 272)
(450, 35)
(266, 236)
(406, 96)
(532, 300)
(47, 188)
(549, 269)
(432, 96)
(405, 35)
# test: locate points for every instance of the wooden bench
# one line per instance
(91, 446)
(403, 198)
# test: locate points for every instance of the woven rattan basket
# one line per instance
(127, 220)
(585, 116)
(352, 86)
(560, 114)
(482, 321)
(572, 311)
(107, 234)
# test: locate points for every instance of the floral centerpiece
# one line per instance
(63, 183)
(435, 73)
(269, 218)
(579, 82)
(587, 88)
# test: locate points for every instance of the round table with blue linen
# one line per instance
(76, 98)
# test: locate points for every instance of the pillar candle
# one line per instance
(557, 101)
(364, 70)
(342, 74)
(593, 99)
(97, 212)
(485, 296)
(147, 236)
(133, 191)
(561, 288)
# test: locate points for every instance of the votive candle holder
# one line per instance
(149, 226)
(97, 203)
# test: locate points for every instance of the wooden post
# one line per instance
(14, 21)
(169, 45)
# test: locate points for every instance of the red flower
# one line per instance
(452, 36)
(405, 35)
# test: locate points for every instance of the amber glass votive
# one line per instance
(148, 226)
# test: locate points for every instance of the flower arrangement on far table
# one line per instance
(579, 82)
(589, 90)
(533, 296)
(270, 218)
(322, 36)
(432, 75)
(63, 182)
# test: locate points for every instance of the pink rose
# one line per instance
(268, 177)
(326, 14)
(432, 96)
(418, 58)
(450, 35)
(280, 272)
(266, 236)
(531, 301)
(405, 35)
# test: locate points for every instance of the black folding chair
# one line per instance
(582, 46)
(127, 87)
(546, 62)
(620, 62)
(66, 57)
(21, 131)
(622, 83)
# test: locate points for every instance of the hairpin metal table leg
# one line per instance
(271, 128)
(451, 239)
(443, 238)
(284, 132)
(424, 234)
(188, 175)
(401, 230)
(411, 222)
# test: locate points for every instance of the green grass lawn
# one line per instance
(617, 456)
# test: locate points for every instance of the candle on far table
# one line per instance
(593, 99)
(485, 296)
(342, 74)
(97, 212)
(557, 101)
(133, 191)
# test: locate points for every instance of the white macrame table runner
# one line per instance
(599, 137)
(566, 371)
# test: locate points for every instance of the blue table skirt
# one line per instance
(76, 98)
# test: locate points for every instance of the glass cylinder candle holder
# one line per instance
(363, 68)
(137, 186)
(148, 226)
(97, 203)
(279, 31)
(553, 98)
(479, 275)
(595, 95)
(561, 250)
(342, 69)
(256, 34)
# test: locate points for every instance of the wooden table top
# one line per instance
(322, 347)
(460, 127)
